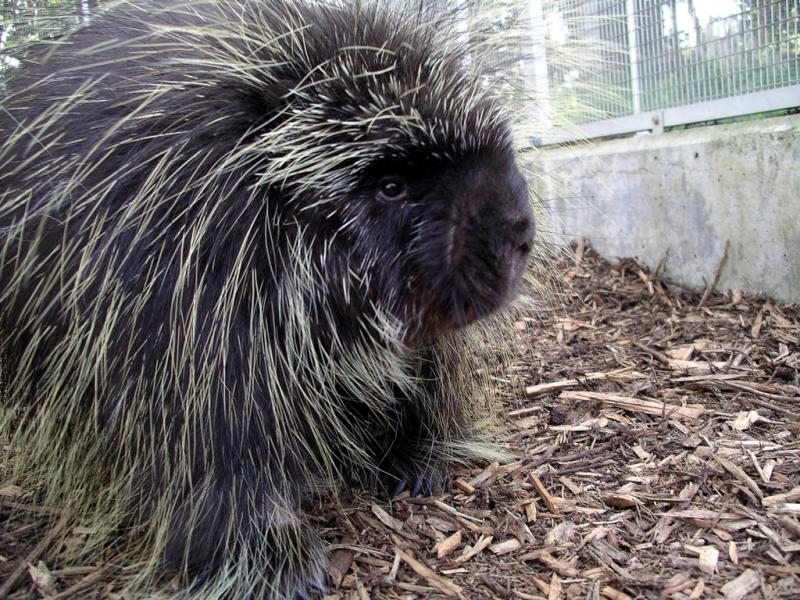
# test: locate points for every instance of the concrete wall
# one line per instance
(686, 193)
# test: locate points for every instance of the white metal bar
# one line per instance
(598, 129)
(538, 64)
(633, 56)
(736, 106)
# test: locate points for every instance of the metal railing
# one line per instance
(661, 63)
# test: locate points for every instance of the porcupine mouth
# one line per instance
(460, 310)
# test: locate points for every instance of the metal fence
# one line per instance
(24, 21)
(597, 67)
(661, 63)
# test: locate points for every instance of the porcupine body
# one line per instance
(240, 244)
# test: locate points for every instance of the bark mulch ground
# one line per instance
(656, 441)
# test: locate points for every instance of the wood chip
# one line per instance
(620, 375)
(696, 367)
(745, 419)
(361, 590)
(708, 559)
(471, 552)
(446, 546)
(444, 585)
(677, 583)
(774, 500)
(543, 493)
(620, 500)
(506, 546)
(561, 567)
(787, 508)
(700, 517)
(733, 552)
(530, 512)
(755, 330)
(484, 476)
(739, 473)
(792, 526)
(464, 486)
(697, 591)
(386, 518)
(340, 563)
(398, 556)
(613, 594)
(738, 588)
(555, 588)
(650, 407)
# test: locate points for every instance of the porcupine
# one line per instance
(242, 245)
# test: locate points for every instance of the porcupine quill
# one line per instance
(242, 248)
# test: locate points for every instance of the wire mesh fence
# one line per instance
(25, 21)
(662, 54)
(600, 87)
(591, 61)
(693, 51)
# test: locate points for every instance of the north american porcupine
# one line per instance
(240, 244)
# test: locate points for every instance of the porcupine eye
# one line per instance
(392, 189)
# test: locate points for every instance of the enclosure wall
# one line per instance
(682, 194)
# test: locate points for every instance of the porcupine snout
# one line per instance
(486, 242)
(517, 232)
(501, 232)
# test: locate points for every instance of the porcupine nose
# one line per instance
(521, 230)
(522, 233)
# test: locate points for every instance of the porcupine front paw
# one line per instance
(420, 479)
(416, 465)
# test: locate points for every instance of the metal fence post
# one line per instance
(633, 55)
(538, 64)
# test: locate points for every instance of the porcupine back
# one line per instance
(191, 283)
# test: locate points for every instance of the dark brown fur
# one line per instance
(155, 291)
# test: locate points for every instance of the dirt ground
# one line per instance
(656, 435)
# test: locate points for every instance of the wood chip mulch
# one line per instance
(657, 447)
(656, 441)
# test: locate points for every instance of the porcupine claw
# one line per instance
(400, 487)
(421, 485)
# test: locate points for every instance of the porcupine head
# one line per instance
(242, 247)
